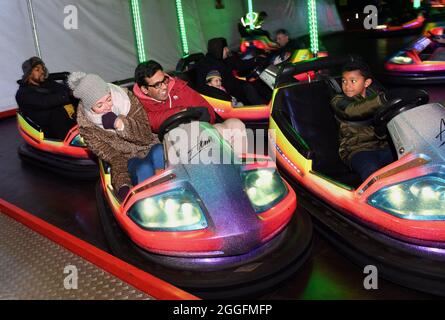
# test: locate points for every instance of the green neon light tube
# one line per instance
(137, 24)
(183, 33)
(250, 8)
(416, 4)
(313, 29)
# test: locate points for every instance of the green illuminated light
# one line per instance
(137, 23)
(184, 43)
(416, 4)
(313, 29)
(250, 8)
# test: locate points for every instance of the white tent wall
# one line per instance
(161, 34)
(195, 37)
(102, 44)
(292, 15)
(219, 22)
(17, 45)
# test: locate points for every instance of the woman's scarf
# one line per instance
(121, 105)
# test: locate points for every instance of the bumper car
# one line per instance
(399, 28)
(251, 45)
(252, 114)
(395, 219)
(68, 157)
(217, 230)
(423, 61)
(255, 114)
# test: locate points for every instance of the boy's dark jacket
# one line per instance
(355, 138)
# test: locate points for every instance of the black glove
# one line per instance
(122, 193)
(108, 120)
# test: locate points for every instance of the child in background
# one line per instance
(214, 79)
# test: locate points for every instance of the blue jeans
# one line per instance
(367, 162)
(143, 168)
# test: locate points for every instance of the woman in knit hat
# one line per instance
(115, 127)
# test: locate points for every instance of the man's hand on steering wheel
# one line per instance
(184, 116)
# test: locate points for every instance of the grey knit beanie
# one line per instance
(88, 88)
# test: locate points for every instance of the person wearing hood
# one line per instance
(221, 59)
(44, 100)
(115, 127)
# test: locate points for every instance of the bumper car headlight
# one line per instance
(402, 60)
(264, 187)
(176, 210)
(421, 198)
(78, 141)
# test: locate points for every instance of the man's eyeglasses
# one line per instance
(158, 84)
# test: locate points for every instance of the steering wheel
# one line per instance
(399, 101)
(182, 117)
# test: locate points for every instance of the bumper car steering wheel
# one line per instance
(398, 101)
(186, 116)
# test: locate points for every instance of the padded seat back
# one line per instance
(311, 115)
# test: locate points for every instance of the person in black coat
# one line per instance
(287, 45)
(220, 58)
(43, 100)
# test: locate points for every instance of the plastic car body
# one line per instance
(248, 113)
(207, 219)
(69, 157)
(395, 219)
(422, 61)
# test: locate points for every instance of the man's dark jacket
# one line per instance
(38, 102)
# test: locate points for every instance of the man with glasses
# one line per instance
(163, 96)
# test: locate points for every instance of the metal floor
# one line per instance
(32, 267)
(70, 205)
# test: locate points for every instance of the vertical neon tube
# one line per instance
(137, 24)
(416, 4)
(182, 31)
(313, 29)
(250, 14)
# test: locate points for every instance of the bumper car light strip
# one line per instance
(409, 165)
(288, 161)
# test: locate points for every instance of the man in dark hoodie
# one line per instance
(220, 58)
(44, 100)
